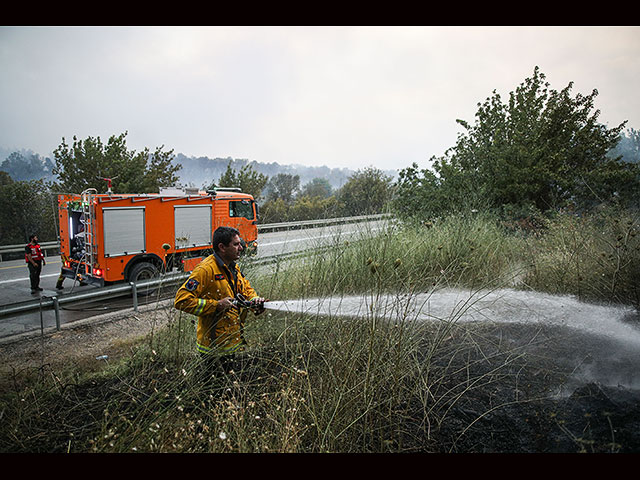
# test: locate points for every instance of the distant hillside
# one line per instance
(202, 171)
(196, 171)
(25, 165)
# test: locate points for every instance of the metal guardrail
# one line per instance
(267, 227)
(54, 302)
(20, 248)
(325, 221)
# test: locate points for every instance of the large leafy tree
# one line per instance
(87, 162)
(543, 149)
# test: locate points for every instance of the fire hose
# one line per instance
(241, 302)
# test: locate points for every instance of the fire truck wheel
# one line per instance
(144, 271)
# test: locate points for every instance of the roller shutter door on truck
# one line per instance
(192, 225)
(124, 231)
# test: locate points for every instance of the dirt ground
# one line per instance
(569, 393)
(107, 334)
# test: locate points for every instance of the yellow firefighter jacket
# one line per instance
(210, 281)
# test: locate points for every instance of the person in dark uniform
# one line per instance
(59, 286)
(35, 260)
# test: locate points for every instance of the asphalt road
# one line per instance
(15, 287)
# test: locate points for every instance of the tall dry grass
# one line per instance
(595, 257)
(328, 383)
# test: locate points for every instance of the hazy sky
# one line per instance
(336, 96)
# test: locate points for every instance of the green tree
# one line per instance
(312, 208)
(274, 211)
(284, 186)
(318, 187)
(366, 192)
(26, 208)
(247, 179)
(418, 192)
(87, 162)
(5, 178)
(542, 150)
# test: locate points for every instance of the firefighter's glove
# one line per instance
(225, 304)
(257, 305)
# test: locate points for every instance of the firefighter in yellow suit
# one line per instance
(210, 293)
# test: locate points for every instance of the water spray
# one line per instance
(283, 305)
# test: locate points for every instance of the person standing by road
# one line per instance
(35, 260)
(211, 293)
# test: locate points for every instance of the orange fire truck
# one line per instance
(107, 237)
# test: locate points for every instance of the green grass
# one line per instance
(472, 251)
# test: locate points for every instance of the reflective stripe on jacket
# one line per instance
(35, 251)
(209, 282)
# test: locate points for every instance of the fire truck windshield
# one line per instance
(243, 208)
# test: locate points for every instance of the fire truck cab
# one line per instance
(108, 238)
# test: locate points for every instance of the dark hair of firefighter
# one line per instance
(223, 235)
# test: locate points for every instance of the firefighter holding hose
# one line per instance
(215, 292)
